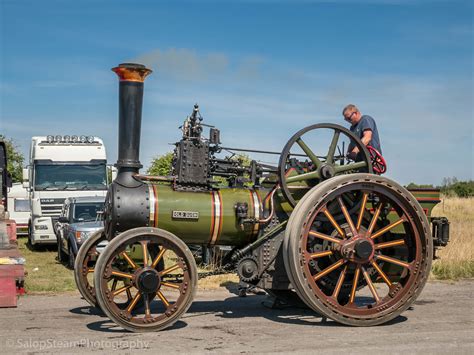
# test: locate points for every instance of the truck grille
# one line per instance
(51, 207)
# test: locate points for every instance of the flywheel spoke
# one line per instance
(302, 177)
(332, 148)
(351, 166)
(309, 152)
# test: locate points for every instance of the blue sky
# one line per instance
(260, 70)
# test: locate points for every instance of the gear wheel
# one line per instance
(247, 268)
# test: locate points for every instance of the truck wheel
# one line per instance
(358, 249)
(30, 239)
(126, 273)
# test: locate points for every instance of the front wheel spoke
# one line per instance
(347, 216)
(329, 269)
(387, 228)
(163, 299)
(340, 281)
(114, 284)
(352, 166)
(158, 257)
(381, 273)
(362, 210)
(121, 274)
(134, 302)
(371, 285)
(129, 260)
(320, 254)
(325, 237)
(302, 177)
(146, 301)
(90, 270)
(393, 261)
(334, 223)
(121, 290)
(309, 152)
(168, 270)
(389, 244)
(144, 244)
(175, 286)
(354, 285)
(332, 148)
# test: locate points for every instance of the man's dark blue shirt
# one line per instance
(366, 123)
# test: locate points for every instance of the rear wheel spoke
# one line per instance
(129, 260)
(134, 302)
(393, 261)
(389, 244)
(144, 244)
(334, 223)
(170, 269)
(340, 281)
(362, 210)
(329, 269)
(163, 299)
(325, 237)
(371, 285)
(381, 273)
(354, 285)
(347, 216)
(158, 258)
(375, 217)
(320, 254)
(387, 228)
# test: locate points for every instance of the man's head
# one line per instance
(351, 114)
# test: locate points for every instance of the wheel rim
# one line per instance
(85, 264)
(296, 176)
(132, 290)
(366, 266)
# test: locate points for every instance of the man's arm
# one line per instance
(366, 138)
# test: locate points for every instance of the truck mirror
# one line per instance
(25, 178)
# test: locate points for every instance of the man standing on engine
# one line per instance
(364, 127)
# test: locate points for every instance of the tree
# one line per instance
(161, 165)
(15, 159)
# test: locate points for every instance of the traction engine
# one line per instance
(354, 246)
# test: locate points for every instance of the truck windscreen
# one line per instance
(70, 177)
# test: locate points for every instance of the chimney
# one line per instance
(132, 77)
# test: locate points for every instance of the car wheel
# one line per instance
(62, 256)
(72, 258)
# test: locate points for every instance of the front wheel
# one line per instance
(131, 288)
(358, 249)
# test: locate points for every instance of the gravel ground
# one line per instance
(441, 321)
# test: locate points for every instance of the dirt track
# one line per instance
(441, 321)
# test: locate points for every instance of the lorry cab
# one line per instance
(61, 167)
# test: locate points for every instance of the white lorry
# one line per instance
(61, 167)
(19, 207)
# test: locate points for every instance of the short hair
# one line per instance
(351, 107)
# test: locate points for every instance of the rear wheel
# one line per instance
(358, 249)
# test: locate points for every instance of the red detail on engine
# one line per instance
(378, 162)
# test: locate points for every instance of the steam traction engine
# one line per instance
(353, 246)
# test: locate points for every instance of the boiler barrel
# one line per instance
(205, 217)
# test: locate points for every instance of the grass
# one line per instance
(45, 273)
(456, 260)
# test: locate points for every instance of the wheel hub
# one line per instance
(148, 280)
(359, 249)
(327, 171)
